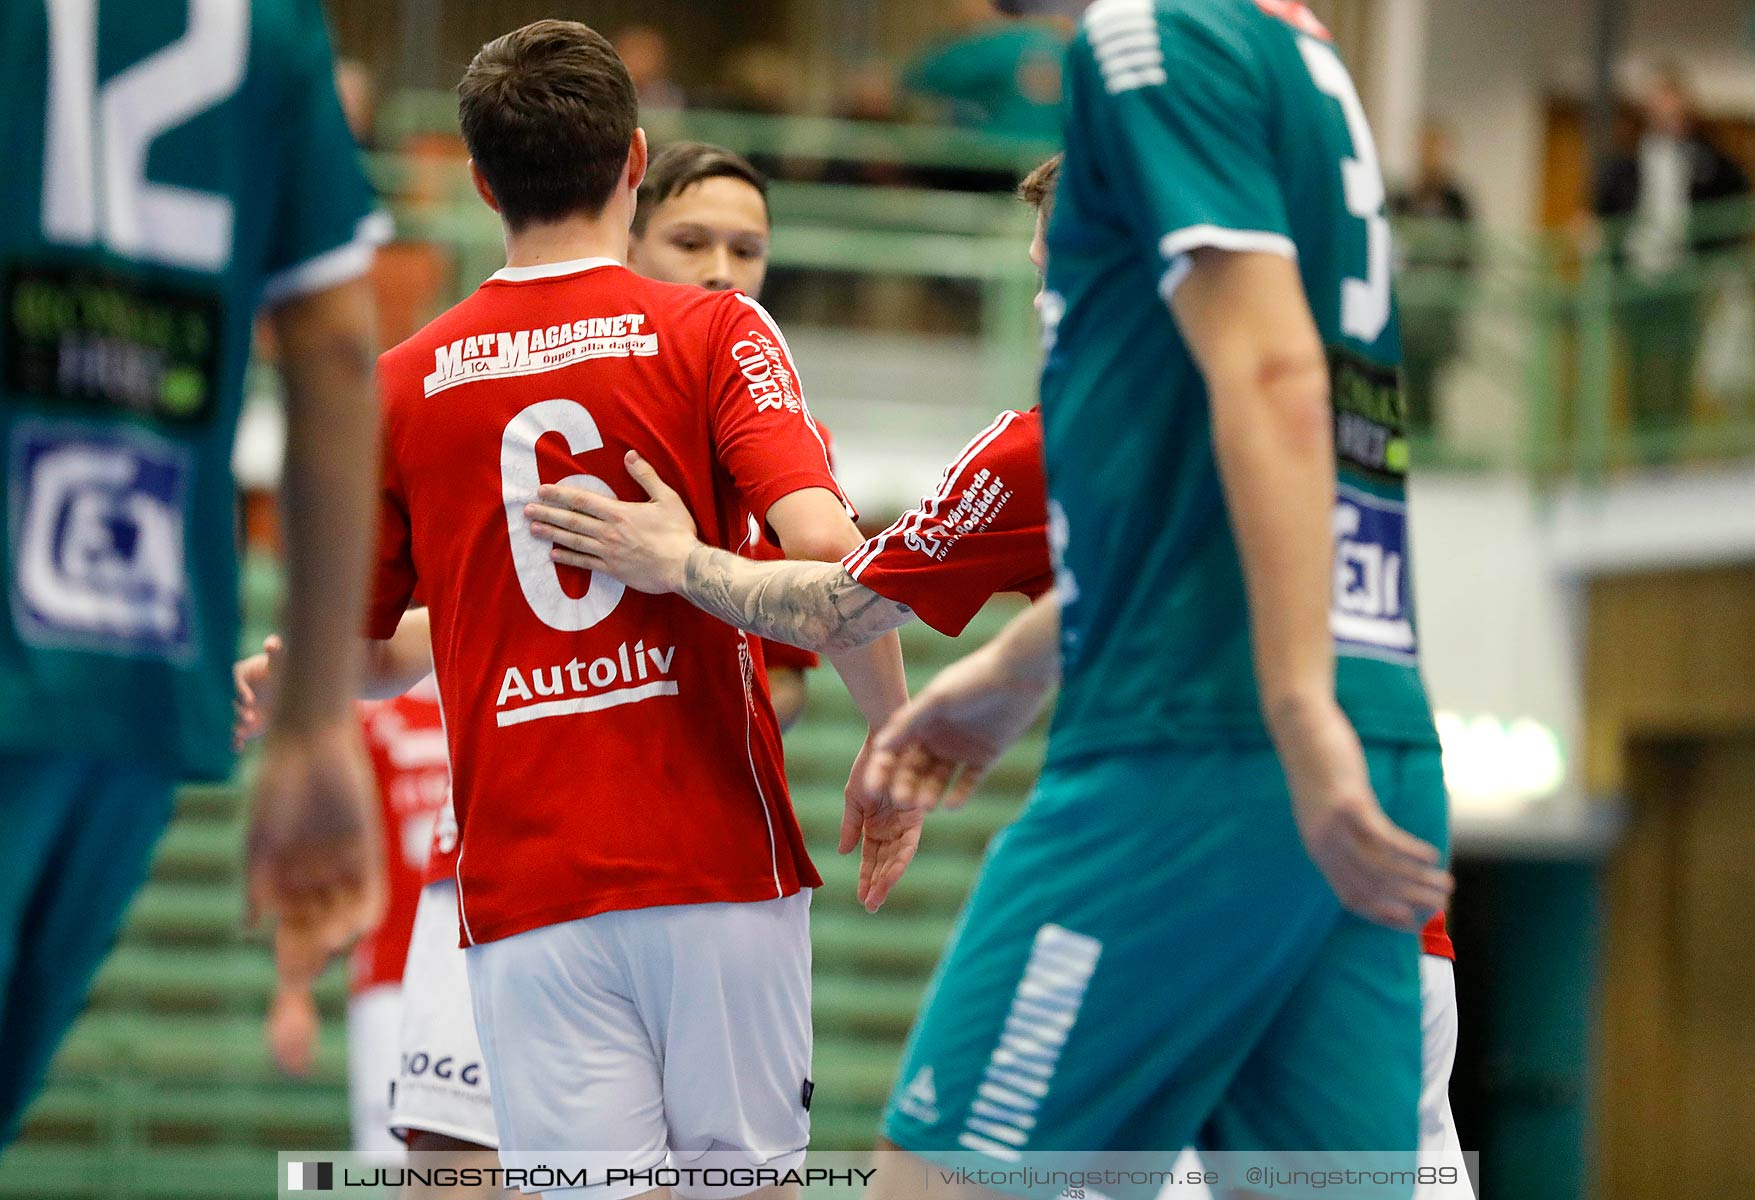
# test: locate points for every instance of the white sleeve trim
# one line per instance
(1217, 237)
(333, 267)
(1176, 247)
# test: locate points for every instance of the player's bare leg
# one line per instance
(901, 1176)
(439, 1151)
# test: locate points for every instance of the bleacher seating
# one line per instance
(166, 1088)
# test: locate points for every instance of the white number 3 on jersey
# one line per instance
(1364, 302)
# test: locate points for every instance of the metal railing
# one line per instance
(1535, 353)
(1571, 356)
(791, 138)
(846, 236)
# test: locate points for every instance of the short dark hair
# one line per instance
(548, 113)
(681, 165)
(1037, 190)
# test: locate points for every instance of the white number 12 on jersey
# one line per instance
(1364, 302)
(96, 139)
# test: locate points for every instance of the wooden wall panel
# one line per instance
(1670, 712)
(1677, 1094)
(1670, 653)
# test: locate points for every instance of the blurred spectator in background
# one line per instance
(868, 93)
(994, 74)
(358, 93)
(646, 54)
(761, 78)
(1663, 205)
(1436, 240)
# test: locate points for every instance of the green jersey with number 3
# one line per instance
(1229, 124)
(171, 164)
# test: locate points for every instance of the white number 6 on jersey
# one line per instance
(518, 482)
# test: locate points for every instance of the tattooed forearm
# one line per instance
(815, 605)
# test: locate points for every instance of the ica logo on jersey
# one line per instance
(505, 354)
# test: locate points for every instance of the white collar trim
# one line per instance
(552, 270)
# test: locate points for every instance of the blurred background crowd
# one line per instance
(1572, 183)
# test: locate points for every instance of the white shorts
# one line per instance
(676, 1036)
(1439, 1144)
(442, 1080)
(374, 1021)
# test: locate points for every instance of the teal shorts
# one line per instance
(1150, 960)
(79, 839)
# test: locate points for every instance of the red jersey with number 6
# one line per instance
(443, 862)
(609, 749)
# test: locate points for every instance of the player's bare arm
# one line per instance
(400, 661)
(817, 606)
(312, 845)
(390, 668)
(813, 523)
(293, 1020)
(652, 547)
(1249, 326)
(938, 748)
(789, 692)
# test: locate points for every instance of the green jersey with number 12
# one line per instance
(1229, 124)
(171, 164)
